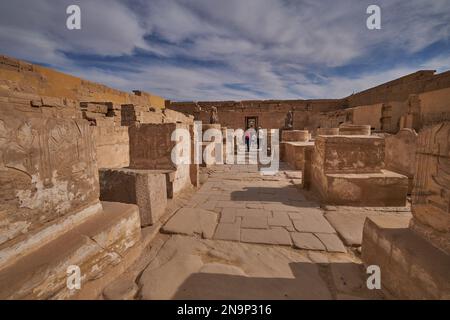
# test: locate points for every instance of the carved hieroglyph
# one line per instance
(431, 194)
(47, 170)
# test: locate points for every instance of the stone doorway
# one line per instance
(251, 122)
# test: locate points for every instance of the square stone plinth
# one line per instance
(146, 188)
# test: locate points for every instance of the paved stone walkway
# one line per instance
(237, 203)
(247, 236)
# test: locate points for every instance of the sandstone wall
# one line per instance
(25, 77)
(48, 169)
(112, 146)
(399, 89)
(431, 194)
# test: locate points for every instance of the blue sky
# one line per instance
(233, 49)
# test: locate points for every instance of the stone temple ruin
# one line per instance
(87, 180)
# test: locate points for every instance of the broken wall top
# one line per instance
(30, 78)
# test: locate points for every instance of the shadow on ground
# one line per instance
(288, 195)
(311, 281)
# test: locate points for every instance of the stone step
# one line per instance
(411, 267)
(99, 246)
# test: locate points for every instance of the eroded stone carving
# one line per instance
(431, 194)
(47, 169)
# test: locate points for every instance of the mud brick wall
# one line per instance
(431, 193)
(48, 169)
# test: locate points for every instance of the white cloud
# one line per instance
(234, 49)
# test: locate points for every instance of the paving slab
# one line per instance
(307, 241)
(252, 222)
(191, 221)
(280, 219)
(228, 231)
(331, 242)
(278, 236)
(306, 222)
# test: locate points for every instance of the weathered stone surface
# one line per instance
(266, 236)
(400, 154)
(112, 146)
(279, 219)
(151, 148)
(430, 201)
(295, 135)
(386, 188)
(192, 221)
(349, 154)
(121, 289)
(146, 188)
(254, 222)
(305, 222)
(229, 231)
(47, 171)
(347, 170)
(307, 241)
(327, 131)
(331, 242)
(94, 245)
(354, 129)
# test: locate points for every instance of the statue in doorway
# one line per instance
(289, 120)
(214, 118)
(197, 110)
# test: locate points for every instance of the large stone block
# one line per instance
(151, 148)
(327, 131)
(349, 154)
(112, 146)
(411, 268)
(295, 135)
(146, 188)
(385, 188)
(354, 129)
(294, 153)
